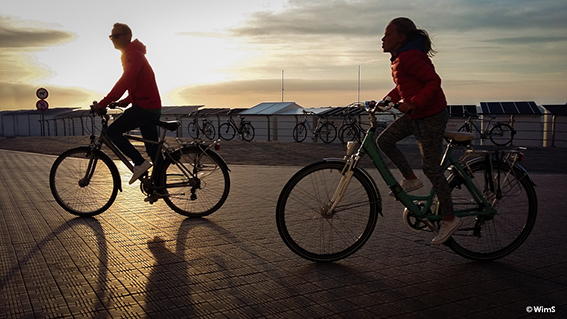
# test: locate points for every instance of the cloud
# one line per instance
(15, 33)
(368, 18)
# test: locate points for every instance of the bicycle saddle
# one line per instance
(169, 125)
(459, 136)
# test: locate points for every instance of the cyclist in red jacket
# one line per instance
(139, 80)
(418, 90)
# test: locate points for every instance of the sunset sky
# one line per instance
(227, 53)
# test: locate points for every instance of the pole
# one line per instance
(358, 94)
(282, 86)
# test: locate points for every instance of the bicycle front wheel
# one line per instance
(248, 132)
(310, 229)
(328, 133)
(196, 183)
(511, 192)
(227, 132)
(299, 132)
(84, 182)
(501, 134)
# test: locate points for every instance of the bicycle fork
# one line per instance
(328, 211)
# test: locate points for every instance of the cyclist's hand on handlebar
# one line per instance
(407, 107)
(97, 108)
(123, 103)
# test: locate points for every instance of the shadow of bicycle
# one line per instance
(88, 231)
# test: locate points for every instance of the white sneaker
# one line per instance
(409, 185)
(446, 230)
(139, 170)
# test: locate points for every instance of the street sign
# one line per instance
(42, 93)
(42, 105)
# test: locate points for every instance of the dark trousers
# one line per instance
(429, 134)
(132, 118)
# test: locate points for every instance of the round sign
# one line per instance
(42, 93)
(42, 105)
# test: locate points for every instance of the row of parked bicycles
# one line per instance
(227, 131)
(499, 133)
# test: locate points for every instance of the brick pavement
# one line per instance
(140, 260)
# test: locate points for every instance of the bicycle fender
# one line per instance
(520, 167)
(112, 167)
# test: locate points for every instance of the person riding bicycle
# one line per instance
(139, 80)
(418, 90)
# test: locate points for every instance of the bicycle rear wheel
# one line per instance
(307, 226)
(248, 132)
(227, 131)
(492, 237)
(201, 193)
(348, 133)
(300, 132)
(501, 134)
(209, 130)
(328, 133)
(84, 182)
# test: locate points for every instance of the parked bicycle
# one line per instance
(352, 130)
(329, 209)
(325, 130)
(193, 179)
(500, 133)
(195, 131)
(245, 130)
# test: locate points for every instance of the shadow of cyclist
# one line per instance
(168, 291)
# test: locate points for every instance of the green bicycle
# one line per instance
(329, 209)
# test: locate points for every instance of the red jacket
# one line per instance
(417, 82)
(138, 79)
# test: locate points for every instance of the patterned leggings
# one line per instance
(429, 134)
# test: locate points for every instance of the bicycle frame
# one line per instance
(370, 148)
(103, 139)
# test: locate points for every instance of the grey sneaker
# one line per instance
(409, 185)
(446, 230)
(139, 170)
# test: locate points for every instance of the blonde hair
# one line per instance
(406, 27)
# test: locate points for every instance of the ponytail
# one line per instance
(406, 27)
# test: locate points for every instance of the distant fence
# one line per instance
(535, 131)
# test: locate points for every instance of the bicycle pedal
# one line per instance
(431, 226)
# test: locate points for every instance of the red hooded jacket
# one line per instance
(138, 79)
(417, 82)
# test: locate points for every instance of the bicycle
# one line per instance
(325, 130)
(500, 133)
(195, 131)
(329, 209)
(192, 178)
(351, 130)
(228, 130)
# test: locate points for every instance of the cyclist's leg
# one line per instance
(397, 131)
(150, 132)
(131, 119)
(430, 140)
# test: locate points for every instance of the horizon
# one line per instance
(226, 54)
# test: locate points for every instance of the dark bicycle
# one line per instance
(228, 130)
(500, 133)
(192, 178)
(195, 131)
(324, 129)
